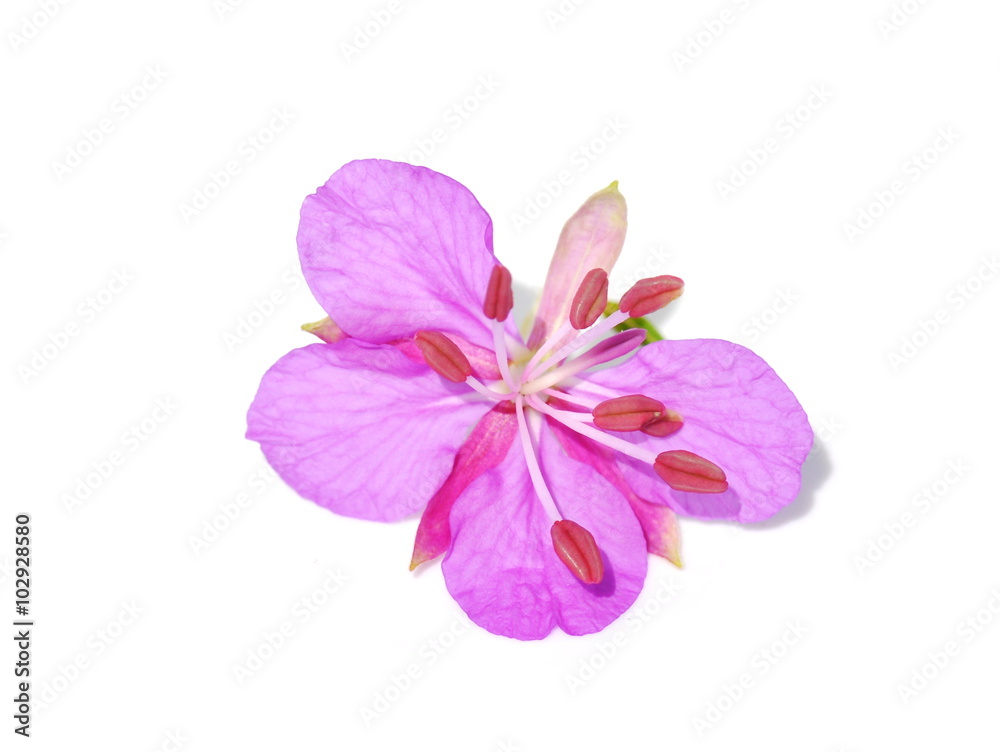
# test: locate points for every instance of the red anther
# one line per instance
(590, 300)
(499, 294)
(651, 294)
(444, 356)
(628, 413)
(577, 549)
(686, 471)
(668, 423)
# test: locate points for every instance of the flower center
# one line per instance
(543, 386)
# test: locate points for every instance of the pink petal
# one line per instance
(502, 567)
(338, 423)
(389, 249)
(485, 448)
(737, 413)
(591, 239)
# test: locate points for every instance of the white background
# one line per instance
(894, 407)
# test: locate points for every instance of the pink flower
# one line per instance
(543, 479)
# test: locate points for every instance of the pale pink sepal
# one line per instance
(326, 329)
(591, 239)
(485, 448)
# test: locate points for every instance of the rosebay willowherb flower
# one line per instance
(544, 475)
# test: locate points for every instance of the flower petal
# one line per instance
(591, 239)
(502, 567)
(389, 249)
(338, 421)
(737, 413)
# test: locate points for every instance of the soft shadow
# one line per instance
(814, 474)
(606, 587)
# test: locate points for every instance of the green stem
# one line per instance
(639, 322)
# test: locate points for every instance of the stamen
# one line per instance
(551, 342)
(628, 413)
(682, 470)
(668, 423)
(585, 338)
(577, 549)
(487, 392)
(444, 356)
(613, 347)
(573, 422)
(686, 471)
(572, 398)
(503, 360)
(499, 294)
(534, 471)
(651, 294)
(590, 300)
